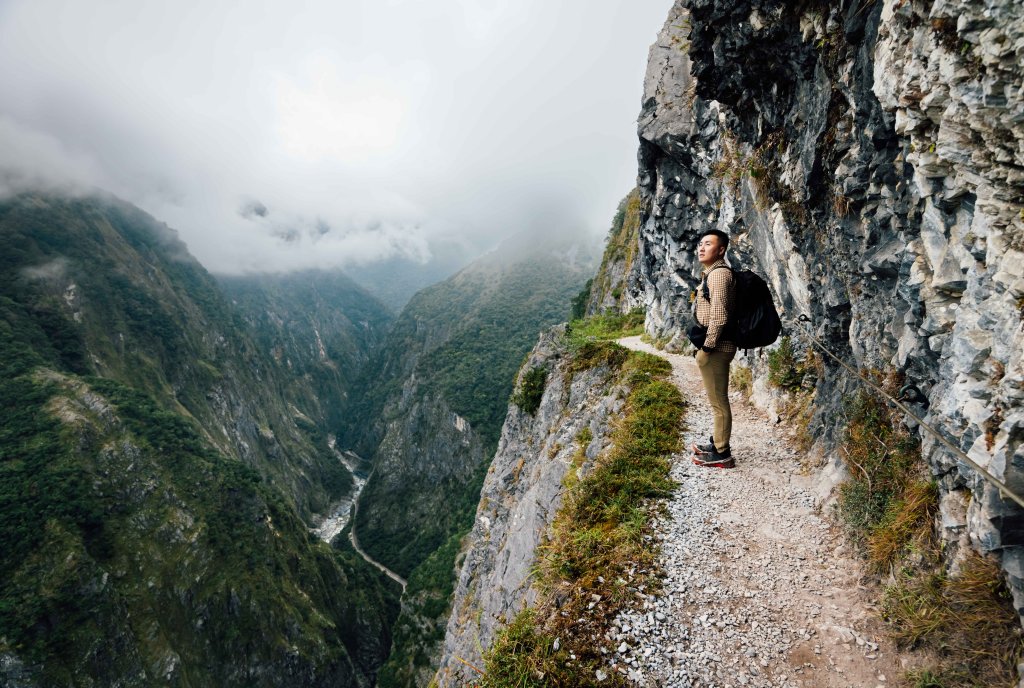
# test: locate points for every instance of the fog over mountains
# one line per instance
(278, 138)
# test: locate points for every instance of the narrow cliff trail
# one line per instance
(759, 588)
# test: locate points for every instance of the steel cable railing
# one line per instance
(1004, 491)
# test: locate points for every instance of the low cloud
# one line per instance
(53, 270)
(276, 138)
(31, 159)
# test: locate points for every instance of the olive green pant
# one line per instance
(714, 369)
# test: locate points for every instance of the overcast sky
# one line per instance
(277, 135)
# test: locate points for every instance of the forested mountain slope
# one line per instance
(152, 476)
(319, 329)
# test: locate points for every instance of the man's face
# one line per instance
(709, 249)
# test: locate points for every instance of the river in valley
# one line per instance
(341, 511)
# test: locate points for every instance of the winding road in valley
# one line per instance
(355, 544)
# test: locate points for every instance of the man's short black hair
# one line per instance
(723, 238)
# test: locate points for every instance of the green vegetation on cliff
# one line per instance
(623, 242)
(597, 549)
(965, 621)
(532, 390)
(421, 625)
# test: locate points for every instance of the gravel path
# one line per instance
(759, 588)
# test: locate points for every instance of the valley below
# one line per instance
(340, 513)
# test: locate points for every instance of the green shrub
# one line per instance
(598, 353)
(531, 391)
(883, 459)
(741, 379)
(579, 302)
(784, 370)
(524, 655)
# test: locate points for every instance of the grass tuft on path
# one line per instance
(967, 620)
(607, 326)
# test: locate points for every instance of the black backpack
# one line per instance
(755, 323)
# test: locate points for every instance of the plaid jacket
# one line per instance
(714, 314)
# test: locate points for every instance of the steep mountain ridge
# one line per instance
(319, 328)
(153, 478)
(120, 297)
(448, 367)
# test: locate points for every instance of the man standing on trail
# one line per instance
(715, 303)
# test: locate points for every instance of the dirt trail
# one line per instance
(760, 589)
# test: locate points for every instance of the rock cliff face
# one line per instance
(521, 493)
(318, 328)
(867, 158)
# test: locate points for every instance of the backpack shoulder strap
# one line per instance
(707, 294)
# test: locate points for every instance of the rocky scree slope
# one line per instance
(867, 158)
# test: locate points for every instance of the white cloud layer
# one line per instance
(365, 128)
